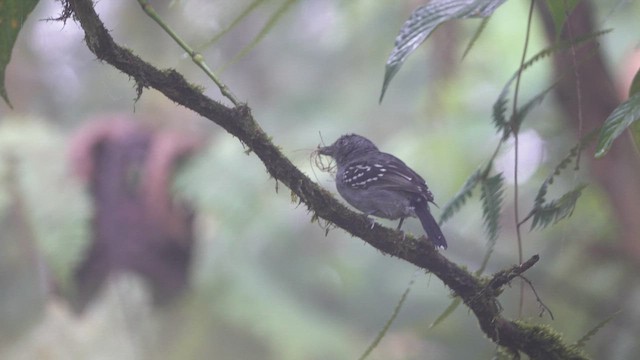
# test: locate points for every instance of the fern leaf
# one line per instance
(635, 84)
(248, 10)
(500, 106)
(424, 20)
(492, 190)
(476, 36)
(13, 14)
(560, 10)
(487, 255)
(524, 110)
(583, 340)
(556, 210)
(500, 110)
(448, 311)
(562, 45)
(461, 197)
(273, 20)
(573, 153)
(386, 327)
(620, 119)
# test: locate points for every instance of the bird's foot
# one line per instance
(371, 221)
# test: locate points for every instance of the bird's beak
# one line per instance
(326, 150)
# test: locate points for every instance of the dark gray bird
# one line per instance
(381, 185)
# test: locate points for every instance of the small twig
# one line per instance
(503, 277)
(195, 56)
(526, 218)
(543, 307)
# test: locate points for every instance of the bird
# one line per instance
(379, 184)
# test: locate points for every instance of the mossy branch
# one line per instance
(536, 341)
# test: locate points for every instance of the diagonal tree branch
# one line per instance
(479, 294)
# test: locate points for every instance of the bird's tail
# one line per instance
(430, 225)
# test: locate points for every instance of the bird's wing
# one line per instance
(389, 173)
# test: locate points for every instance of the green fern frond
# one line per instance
(500, 106)
(476, 36)
(583, 340)
(556, 210)
(492, 190)
(273, 20)
(423, 21)
(461, 197)
(562, 45)
(487, 255)
(386, 327)
(524, 110)
(248, 10)
(448, 311)
(622, 117)
(499, 112)
(573, 153)
(560, 10)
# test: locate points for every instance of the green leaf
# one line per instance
(635, 127)
(424, 20)
(635, 84)
(248, 10)
(448, 311)
(386, 327)
(563, 45)
(573, 153)
(501, 104)
(271, 23)
(491, 195)
(635, 135)
(560, 10)
(499, 113)
(540, 200)
(13, 14)
(524, 110)
(476, 36)
(461, 197)
(556, 210)
(620, 119)
(583, 341)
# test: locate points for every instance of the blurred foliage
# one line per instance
(267, 283)
(624, 116)
(44, 216)
(559, 11)
(424, 20)
(13, 13)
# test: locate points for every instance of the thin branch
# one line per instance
(543, 306)
(503, 277)
(195, 56)
(515, 128)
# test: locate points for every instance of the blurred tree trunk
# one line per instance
(619, 171)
